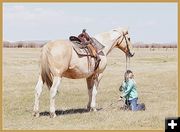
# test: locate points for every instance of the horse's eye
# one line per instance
(129, 39)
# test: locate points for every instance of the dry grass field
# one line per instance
(155, 74)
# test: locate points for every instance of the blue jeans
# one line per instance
(135, 106)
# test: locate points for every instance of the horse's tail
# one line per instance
(46, 71)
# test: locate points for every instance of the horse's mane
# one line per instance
(104, 36)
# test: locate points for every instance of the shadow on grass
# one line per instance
(67, 112)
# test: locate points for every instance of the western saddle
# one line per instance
(87, 42)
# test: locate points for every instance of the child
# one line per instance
(129, 90)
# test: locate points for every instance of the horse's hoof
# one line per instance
(52, 115)
(36, 114)
(93, 109)
(88, 108)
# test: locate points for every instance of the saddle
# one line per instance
(81, 48)
(78, 43)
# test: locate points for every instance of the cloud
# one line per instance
(52, 21)
(26, 21)
(20, 14)
(28, 15)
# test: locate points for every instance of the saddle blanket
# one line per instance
(82, 50)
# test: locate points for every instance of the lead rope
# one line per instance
(127, 62)
(126, 54)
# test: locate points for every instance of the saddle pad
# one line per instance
(81, 50)
(98, 45)
(95, 43)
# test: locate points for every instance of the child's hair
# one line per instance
(126, 75)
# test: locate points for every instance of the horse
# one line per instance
(58, 59)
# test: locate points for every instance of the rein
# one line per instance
(126, 54)
(127, 61)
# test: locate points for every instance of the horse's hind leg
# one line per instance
(38, 90)
(53, 92)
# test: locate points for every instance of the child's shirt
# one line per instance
(129, 89)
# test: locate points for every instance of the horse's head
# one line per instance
(122, 41)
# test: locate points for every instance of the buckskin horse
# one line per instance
(58, 59)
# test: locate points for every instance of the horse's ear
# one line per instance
(125, 31)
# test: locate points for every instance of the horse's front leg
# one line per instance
(53, 92)
(92, 85)
(38, 91)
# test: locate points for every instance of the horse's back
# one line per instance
(59, 53)
(58, 44)
(59, 47)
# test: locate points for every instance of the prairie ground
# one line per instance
(155, 74)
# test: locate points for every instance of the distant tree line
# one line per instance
(39, 44)
(24, 44)
(152, 46)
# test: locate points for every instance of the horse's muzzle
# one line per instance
(130, 54)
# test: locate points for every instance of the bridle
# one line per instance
(118, 43)
(128, 51)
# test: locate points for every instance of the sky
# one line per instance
(146, 22)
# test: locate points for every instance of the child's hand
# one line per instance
(121, 88)
(121, 98)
